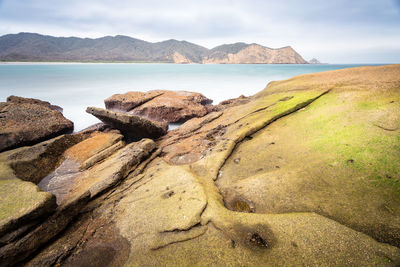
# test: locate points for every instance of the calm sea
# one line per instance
(77, 86)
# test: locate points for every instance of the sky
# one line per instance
(335, 31)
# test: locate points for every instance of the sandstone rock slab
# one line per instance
(32, 163)
(132, 126)
(161, 105)
(22, 202)
(29, 121)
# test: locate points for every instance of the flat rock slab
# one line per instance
(61, 180)
(132, 126)
(22, 202)
(161, 105)
(70, 180)
(26, 121)
(24, 100)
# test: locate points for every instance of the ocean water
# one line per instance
(75, 86)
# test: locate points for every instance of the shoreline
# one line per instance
(172, 63)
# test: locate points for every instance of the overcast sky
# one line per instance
(335, 31)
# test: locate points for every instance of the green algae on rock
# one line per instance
(303, 173)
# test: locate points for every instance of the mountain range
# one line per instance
(37, 47)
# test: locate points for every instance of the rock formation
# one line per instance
(132, 126)
(26, 121)
(161, 105)
(303, 173)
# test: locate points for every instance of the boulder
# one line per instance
(132, 126)
(24, 100)
(161, 105)
(130, 100)
(26, 121)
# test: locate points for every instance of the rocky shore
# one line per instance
(304, 173)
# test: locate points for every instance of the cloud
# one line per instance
(309, 26)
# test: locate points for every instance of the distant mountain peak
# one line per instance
(26, 46)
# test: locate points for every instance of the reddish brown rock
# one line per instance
(130, 100)
(131, 126)
(25, 121)
(161, 105)
(23, 100)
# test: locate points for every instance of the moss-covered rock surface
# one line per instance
(304, 173)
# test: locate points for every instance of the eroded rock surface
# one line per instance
(24, 100)
(297, 175)
(87, 169)
(26, 121)
(161, 105)
(132, 126)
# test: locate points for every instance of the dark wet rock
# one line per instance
(26, 121)
(131, 126)
(32, 163)
(161, 105)
(237, 202)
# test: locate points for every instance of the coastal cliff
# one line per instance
(304, 173)
(256, 54)
(36, 47)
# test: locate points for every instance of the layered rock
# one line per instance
(161, 105)
(132, 126)
(295, 175)
(87, 169)
(29, 121)
(205, 196)
(23, 206)
(94, 165)
(32, 163)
